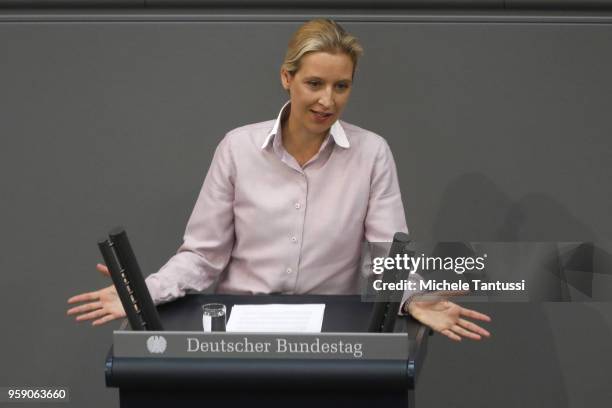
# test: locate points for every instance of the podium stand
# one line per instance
(238, 382)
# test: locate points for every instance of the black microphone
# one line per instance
(127, 278)
(385, 309)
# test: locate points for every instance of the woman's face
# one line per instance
(319, 90)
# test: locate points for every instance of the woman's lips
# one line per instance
(321, 116)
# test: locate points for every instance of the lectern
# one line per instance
(292, 382)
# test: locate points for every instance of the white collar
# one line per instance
(336, 131)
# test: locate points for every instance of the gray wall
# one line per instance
(499, 125)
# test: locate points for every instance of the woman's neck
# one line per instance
(300, 143)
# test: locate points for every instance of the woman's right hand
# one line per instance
(103, 305)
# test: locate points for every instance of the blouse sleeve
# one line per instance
(209, 235)
(385, 214)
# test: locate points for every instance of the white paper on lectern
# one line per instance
(276, 318)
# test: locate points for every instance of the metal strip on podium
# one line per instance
(187, 360)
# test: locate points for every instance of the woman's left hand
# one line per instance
(448, 318)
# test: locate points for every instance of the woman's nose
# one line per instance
(326, 99)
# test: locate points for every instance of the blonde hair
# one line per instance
(320, 35)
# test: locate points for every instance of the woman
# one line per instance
(286, 204)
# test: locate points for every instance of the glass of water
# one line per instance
(213, 317)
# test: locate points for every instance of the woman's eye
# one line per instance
(314, 83)
(342, 86)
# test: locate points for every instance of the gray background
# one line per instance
(500, 128)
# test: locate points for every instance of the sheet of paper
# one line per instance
(276, 318)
